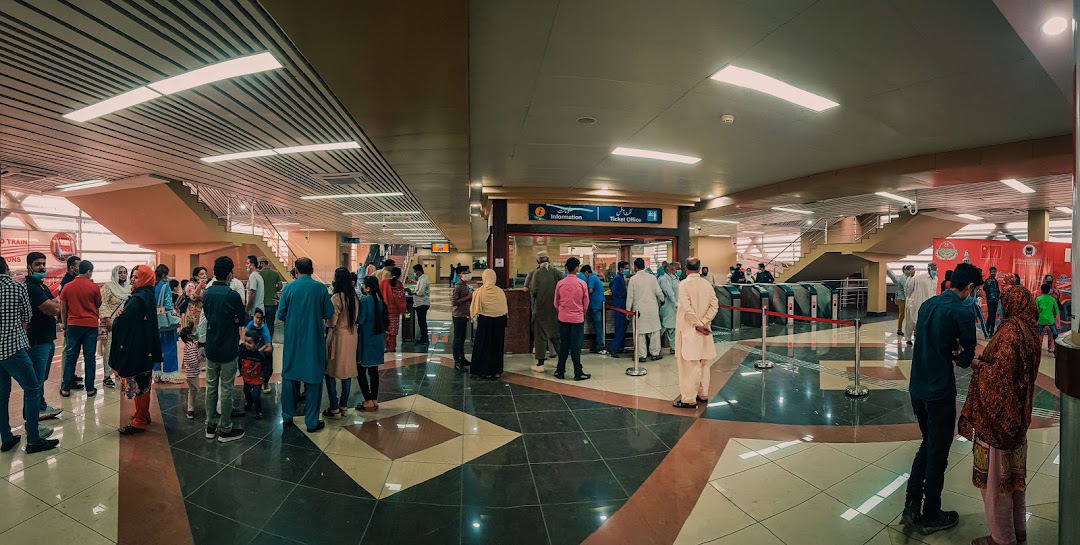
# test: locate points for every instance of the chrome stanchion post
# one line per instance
(764, 363)
(857, 389)
(637, 370)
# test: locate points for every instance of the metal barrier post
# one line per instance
(764, 363)
(857, 389)
(637, 370)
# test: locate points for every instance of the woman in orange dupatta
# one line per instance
(997, 414)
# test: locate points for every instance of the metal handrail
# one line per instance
(798, 238)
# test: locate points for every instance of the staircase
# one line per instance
(873, 240)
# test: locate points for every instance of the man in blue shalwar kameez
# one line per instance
(305, 307)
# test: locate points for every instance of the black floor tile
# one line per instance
(548, 422)
(222, 453)
(497, 486)
(517, 525)
(452, 401)
(242, 496)
(488, 388)
(571, 524)
(339, 518)
(192, 471)
(413, 524)
(209, 528)
(442, 490)
(511, 453)
(269, 539)
(573, 482)
(671, 432)
(578, 403)
(551, 402)
(325, 475)
(560, 447)
(509, 421)
(290, 435)
(285, 462)
(489, 404)
(632, 472)
(519, 390)
(611, 418)
(626, 442)
(649, 417)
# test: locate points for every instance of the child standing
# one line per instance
(192, 365)
(258, 325)
(251, 369)
(1048, 313)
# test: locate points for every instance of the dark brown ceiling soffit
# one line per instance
(587, 196)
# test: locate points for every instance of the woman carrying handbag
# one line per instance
(167, 370)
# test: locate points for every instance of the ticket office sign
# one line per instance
(595, 213)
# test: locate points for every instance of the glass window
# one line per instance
(600, 253)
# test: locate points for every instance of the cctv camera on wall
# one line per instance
(912, 207)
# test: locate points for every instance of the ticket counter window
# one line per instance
(602, 254)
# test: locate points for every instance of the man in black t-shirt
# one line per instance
(72, 270)
(41, 330)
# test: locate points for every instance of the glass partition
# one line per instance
(600, 253)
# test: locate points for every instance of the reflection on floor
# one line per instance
(777, 456)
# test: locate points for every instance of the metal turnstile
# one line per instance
(752, 298)
(782, 300)
(805, 300)
(824, 298)
(731, 296)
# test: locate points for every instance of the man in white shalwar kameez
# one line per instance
(694, 348)
(918, 289)
(643, 296)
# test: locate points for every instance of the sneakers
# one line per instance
(211, 432)
(44, 433)
(266, 388)
(657, 357)
(943, 520)
(191, 415)
(49, 413)
(911, 514)
(109, 382)
(601, 352)
(42, 445)
(331, 413)
(538, 368)
(613, 354)
(583, 376)
(231, 435)
(318, 427)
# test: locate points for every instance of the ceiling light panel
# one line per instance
(409, 212)
(1065, 209)
(81, 185)
(792, 210)
(232, 68)
(894, 197)
(240, 155)
(116, 103)
(351, 196)
(318, 147)
(396, 222)
(772, 86)
(200, 76)
(969, 217)
(658, 155)
(710, 220)
(1015, 184)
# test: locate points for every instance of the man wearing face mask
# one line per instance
(920, 288)
(946, 335)
(618, 300)
(669, 284)
(41, 330)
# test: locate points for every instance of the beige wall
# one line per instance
(323, 247)
(517, 212)
(716, 253)
(447, 261)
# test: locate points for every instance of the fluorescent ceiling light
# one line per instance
(286, 223)
(379, 213)
(710, 196)
(108, 106)
(772, 86)
(280, 151)
(894, 197)
(306, 229)
(395, 222)
(81, 185)
(232, 68)
(426, 230)
(351, 196)
(318, 147)
(1055, 25)
(969, 217)
(1065, 209)
(240, 155)
(710, 220)
(792, 210)
(752, 232)
(1015, 184)
(659, 155)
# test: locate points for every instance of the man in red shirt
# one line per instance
(571, 300)
(79, 303)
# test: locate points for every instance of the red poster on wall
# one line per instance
(1031, 260)
(15, 244)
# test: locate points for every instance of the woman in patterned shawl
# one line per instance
(997, 414)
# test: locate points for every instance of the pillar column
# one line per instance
(1038, 225)
(499, 243)
(844, 230)
(875, 288)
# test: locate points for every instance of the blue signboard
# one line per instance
(586, 212)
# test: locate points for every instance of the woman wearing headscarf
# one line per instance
(341, 343)
(489, 310)
(136, 346)
(393, 292)
(372, 321)
(113, 295)
(997, 413)
(168, 369)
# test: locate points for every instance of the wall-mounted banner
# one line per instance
(57, 247)
(587, 212)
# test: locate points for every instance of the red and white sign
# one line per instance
(15, 244)
(1031, 260)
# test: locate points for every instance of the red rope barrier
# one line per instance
(782, 315)
(619, 310)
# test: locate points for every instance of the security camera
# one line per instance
(912, 207)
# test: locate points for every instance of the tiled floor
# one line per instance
(779, 456)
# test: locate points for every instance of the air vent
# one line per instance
(344, 178)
